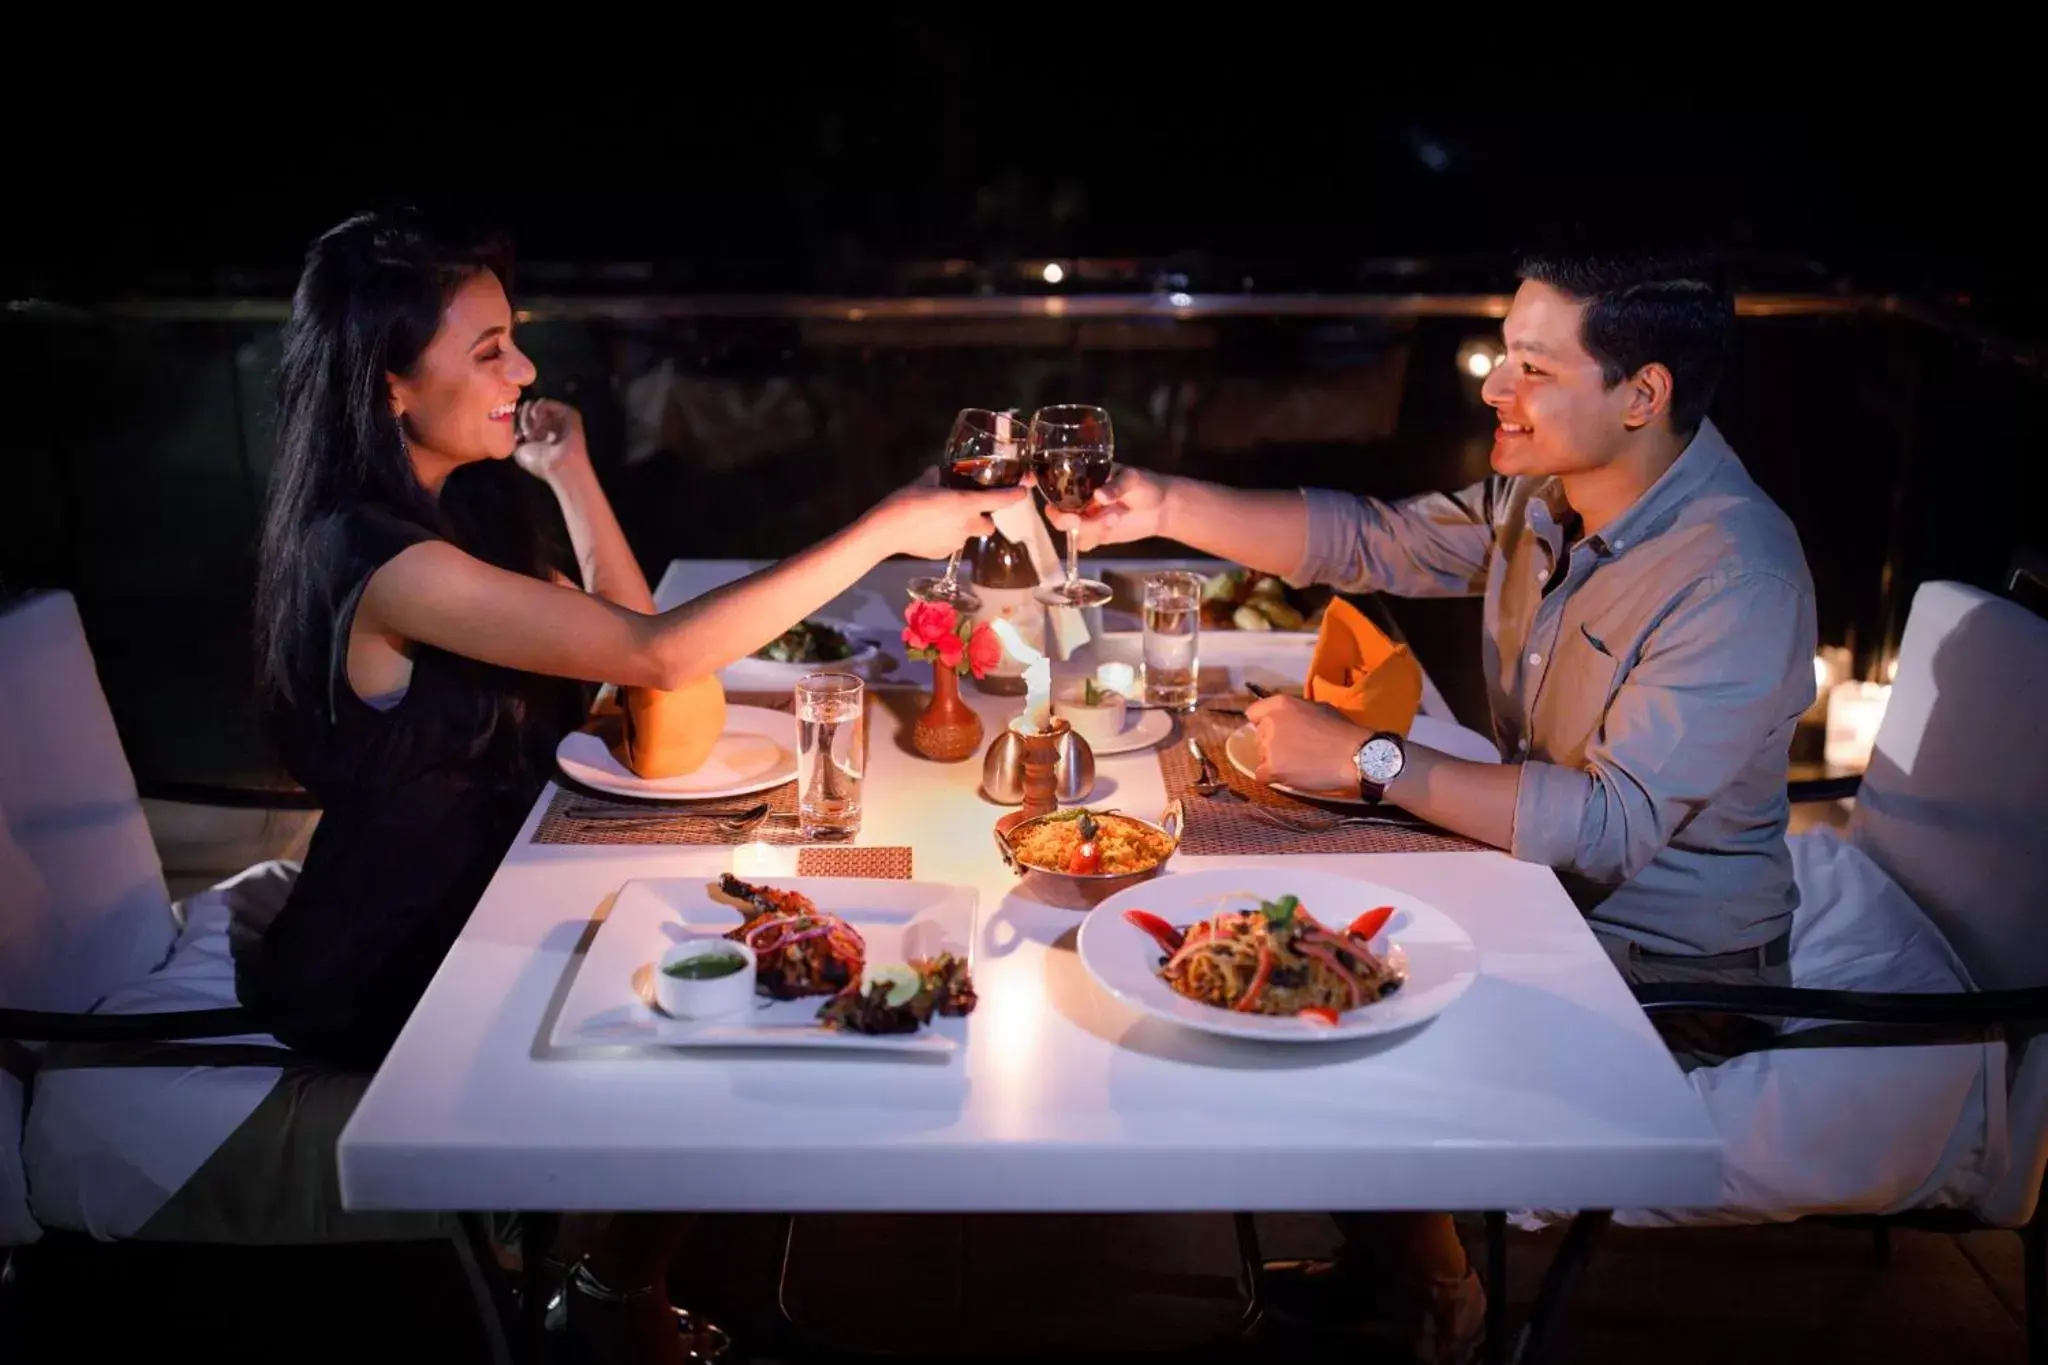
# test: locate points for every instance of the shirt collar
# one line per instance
(1703, 455)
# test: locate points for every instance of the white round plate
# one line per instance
(756, 752)
(1242, 749)
(774, 670)
(1442, 960)
(1142, 730)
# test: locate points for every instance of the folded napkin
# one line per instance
(669, 734)
(1376, 683)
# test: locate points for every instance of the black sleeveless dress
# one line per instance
(420, 803)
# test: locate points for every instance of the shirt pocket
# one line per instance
(1576, 692)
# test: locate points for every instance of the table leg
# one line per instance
(536, 1243)
(1496, 1287)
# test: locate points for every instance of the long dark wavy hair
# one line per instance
(367, 304)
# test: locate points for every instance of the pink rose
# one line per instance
(950, 648)
(984, 651)
(928, 623)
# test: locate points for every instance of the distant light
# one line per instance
(1180, 299)
(1479, 364)
(1820, 673)
(1054, 272)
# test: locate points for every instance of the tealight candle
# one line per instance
(756, 858)
(1119, 678)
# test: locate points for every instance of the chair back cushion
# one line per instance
(85, 907)
(1955, 803)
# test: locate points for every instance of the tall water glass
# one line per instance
(831, 754)
(1173, 637)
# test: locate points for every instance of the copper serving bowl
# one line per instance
(1092, 886)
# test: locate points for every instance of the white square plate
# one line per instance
(610, 1002)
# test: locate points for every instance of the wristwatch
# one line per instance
(1379, 761)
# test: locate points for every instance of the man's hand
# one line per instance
(1306, 745)
(1129, 507)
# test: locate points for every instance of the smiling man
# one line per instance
(1648, 642)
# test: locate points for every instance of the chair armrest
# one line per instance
(1977, 1009)
(1823, 788)
(222, 794)
(53, 1026)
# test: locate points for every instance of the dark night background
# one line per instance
(851, 164)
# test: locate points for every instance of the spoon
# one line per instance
(734, 823)
(1206, 782)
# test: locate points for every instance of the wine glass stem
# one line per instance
(1073, 558)
(952, 578)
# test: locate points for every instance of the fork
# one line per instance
(1313, 823)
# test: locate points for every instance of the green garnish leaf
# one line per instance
(1280, 912)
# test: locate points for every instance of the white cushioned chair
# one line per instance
(113, 1123)
(1908, 1061)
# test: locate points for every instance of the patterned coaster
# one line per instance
(580, 816)
(891, 862)
(1257, 820)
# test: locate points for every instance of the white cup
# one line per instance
(1098, 724)
(684, 997)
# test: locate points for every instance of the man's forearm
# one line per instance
(1263, 530)
(1476, 800)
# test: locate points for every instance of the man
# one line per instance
(1649, 631)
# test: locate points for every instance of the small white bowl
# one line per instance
(1098, 724)
(714, 997)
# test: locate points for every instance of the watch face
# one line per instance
(1380, 760)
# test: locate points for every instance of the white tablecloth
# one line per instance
(1543, 1086)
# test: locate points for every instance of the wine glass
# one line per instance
(984, 450)
(1072, 452)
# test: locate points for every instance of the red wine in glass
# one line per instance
(984, 450)
(1073, 453)
(984, 471)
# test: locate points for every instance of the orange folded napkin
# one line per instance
(669, 734)
(1376, 683)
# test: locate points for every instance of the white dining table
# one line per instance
(1544, 1086)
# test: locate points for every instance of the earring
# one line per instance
(404, 446)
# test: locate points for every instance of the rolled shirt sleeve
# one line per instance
(1728, 665)
(1435, 545)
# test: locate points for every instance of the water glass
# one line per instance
(1173, 635)
(831, 755)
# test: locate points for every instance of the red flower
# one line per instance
(928, 624)
(950, 648)
(984, 651)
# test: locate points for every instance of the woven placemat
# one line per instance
(691, 822)
(1223, 826)
(891, 862)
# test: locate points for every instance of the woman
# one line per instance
(422, 651)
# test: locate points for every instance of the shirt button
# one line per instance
(1535, 661)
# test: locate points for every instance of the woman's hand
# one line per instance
(929, 522)
(550, 436)
(1129, 507)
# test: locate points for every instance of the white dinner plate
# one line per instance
(611, 1001)
(1242, 749)
(1442, 961)
(756, 752)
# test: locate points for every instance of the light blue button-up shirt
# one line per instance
(1648, 679)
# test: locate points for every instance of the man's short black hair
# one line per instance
(1674, 310)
